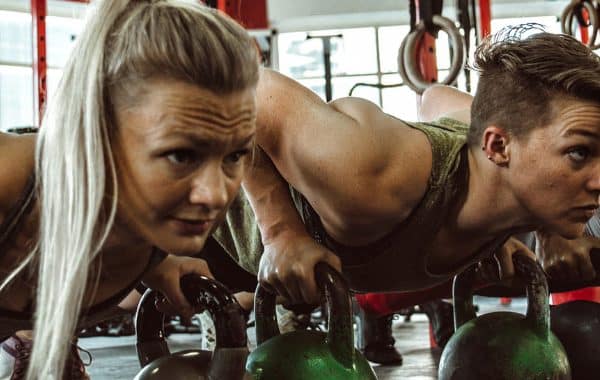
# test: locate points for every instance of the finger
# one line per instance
(559, 271)
(295, 294)
(197, 266)
(506, 267)
(572, 272)
(334, 261)
(280, 289)
(594, 242)
(266, 279)
(309, 291)
(294, 281)
(175, 296)
(488, 270)
(552, 270)
(586, 269)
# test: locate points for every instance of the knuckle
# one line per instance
(271, 277)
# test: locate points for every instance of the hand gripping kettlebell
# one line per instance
(308, 355)
(225, 363)
(504, 345)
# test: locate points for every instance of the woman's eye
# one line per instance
(579, 154)
(180, 157)
(235, 157)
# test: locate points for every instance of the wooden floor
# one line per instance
(115, 358)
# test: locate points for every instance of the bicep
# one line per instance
(341, 143)
(351, 153)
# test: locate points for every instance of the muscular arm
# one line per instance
(350, 161)
(270, 198)
(356, 165)
(290, 254)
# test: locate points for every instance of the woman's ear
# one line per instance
(495, 145)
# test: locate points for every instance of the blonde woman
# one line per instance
(140, 153)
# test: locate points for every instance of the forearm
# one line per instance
(270, 198)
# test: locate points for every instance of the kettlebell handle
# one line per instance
(340, 336)
(201, 292)
(538, 312)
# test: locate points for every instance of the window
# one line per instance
(16, 96)
(16, 59)
(550, 23)
(360, 56)
(16, 76)
(369, 55)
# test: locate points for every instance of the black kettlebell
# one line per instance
(577, 326)
(229, 357)
(504, 345)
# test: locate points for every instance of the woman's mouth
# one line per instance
(192, 226)
(587, 211)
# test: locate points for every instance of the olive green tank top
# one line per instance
(398, 261)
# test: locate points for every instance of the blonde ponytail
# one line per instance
(124, 43)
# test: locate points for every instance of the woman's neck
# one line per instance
(123, 258)
(123, 247)
(490, 209)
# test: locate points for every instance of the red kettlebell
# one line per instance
(229, 357)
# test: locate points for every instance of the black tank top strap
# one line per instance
(156, 256)
(20, 208)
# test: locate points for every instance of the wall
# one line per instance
(286, 15)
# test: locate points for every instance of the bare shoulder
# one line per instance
(361, 110)
(394, 158)
(16, 166)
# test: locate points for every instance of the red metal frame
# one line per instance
(485, 19)
(426, 56)
(38, 23)
(251, 14)
(583, 30)
(39, 11)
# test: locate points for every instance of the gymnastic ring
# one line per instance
(407, 63)
(401, 69)
(567, 20)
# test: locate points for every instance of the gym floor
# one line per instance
(116, 358)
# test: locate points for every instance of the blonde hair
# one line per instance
(123, 44)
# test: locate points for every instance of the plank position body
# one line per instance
(401, 206)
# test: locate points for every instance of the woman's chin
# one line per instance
(190, 246)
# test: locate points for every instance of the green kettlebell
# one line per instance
(225, 363)
(302, 354)
(504, 345)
